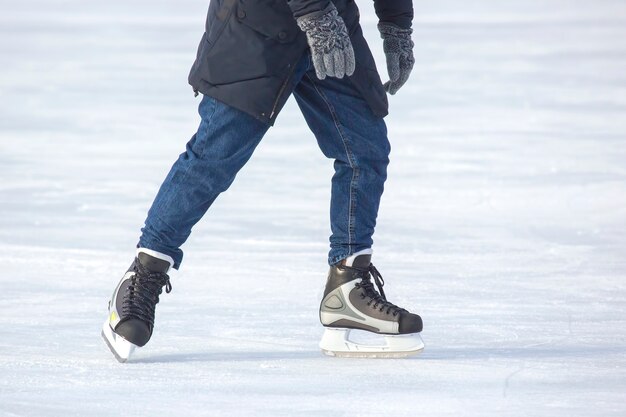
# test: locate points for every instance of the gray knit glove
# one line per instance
(398, 48)
(331, 48)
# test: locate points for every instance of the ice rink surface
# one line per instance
(503, 221)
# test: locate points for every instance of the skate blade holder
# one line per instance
(349, 343)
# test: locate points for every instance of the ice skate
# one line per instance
(352, 303)
(131, 308)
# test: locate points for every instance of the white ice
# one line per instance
(503, 221)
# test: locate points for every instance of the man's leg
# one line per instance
(356, 139)
(348, 132)
(224, 142)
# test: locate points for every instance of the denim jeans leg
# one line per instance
(348, 132)
(225, 140)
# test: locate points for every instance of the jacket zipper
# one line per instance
(282, 90)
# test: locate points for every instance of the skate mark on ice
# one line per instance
(505, 385)
(522, 352)
(220, 356)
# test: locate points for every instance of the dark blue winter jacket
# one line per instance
(248, 52)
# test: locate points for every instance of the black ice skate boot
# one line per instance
(131, 309)
(352, 302)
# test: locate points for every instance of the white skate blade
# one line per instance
(336, 342)
(120, 347)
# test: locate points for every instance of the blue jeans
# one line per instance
(346, 131)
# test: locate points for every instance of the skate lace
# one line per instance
(143, 293)
(377, 298)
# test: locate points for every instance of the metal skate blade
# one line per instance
(371, 355)
(120, 347)
(337, 342)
